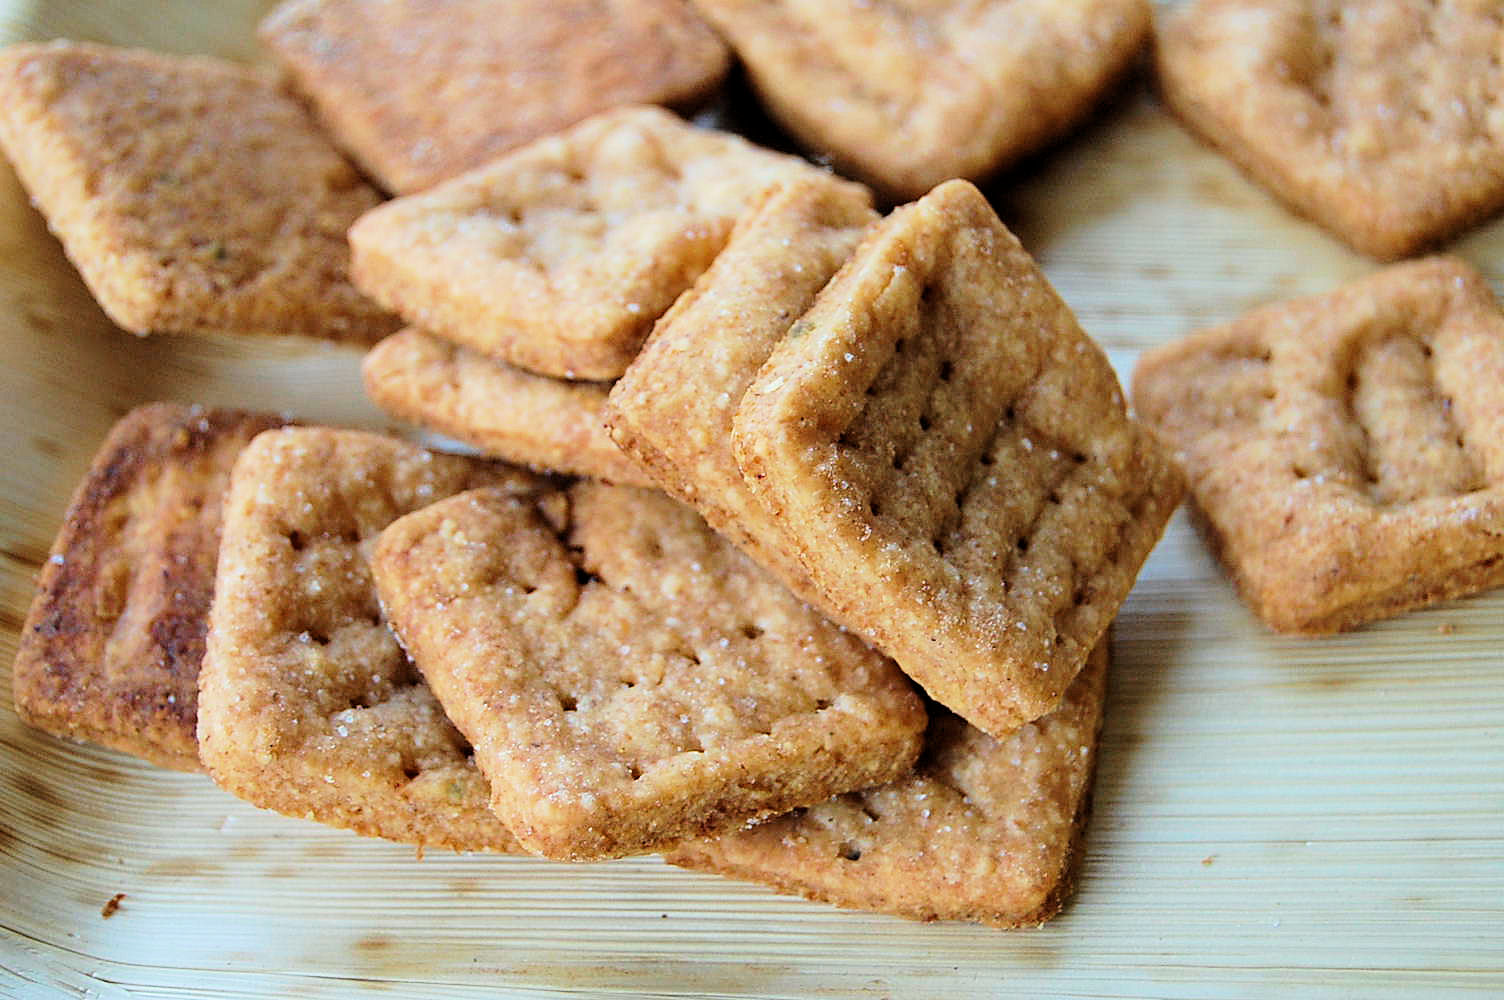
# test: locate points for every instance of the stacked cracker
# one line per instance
(895, 422)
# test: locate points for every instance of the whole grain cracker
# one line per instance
(672, 409)
(906, 95)
(982, 829)
(192, 195)
(1382, 121)
(307, 704)
(952, 460)
(627, 678)
(111, 648)
(1346, 450)
(419, 91)
(503, 411)
(558, 257)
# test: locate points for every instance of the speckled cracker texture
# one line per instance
(1383, 121)
(419, 91)
(951, 457)
(982, 829)
(110, 651)
(672, 410)
(307, 704)
(192, 195)
(627, 678)
(559, 257)
(505, 412)
(908, 94)
(1347, 450)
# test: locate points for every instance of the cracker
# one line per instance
(1346, 450)
(307, 704)
(1382, 121)
(419, 91)
(110, 651)
(907, 95)
(951, 457)
(559, 257)
(672, 409)
(190, 193)
(982, 829)
(503, 411)
(628, 678)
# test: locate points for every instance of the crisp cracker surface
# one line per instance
(982, 829)
(190, 193)
(1347, 450)
(110, 651)
(307, 704)
(905, 95)
(1382, 121)
(673, 408)
(503, 411)
(628, 679)
(951, 457)
(419, 91)
(558, 257)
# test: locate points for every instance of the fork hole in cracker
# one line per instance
(849, 852)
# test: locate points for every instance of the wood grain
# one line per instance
(1274, 817)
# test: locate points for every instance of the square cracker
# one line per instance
(628, 679)
(192, 195)
(1347, 450)
(982, 829)
(1382, 121)
(908, 94)
(419, 91)
(951, 458)
(110, 651)
(558, 257)
(307, 704)
(503, 411)
(672, 410)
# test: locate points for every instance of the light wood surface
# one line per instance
(1274, 817)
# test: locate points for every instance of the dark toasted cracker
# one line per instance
(111, 648)
(1346, 449)
(419, 91)
(672, 410)
(504, 412)
(952, 459)
(628, 678)
(907, 95)
(307, 704)
(1382, 121)
(192, 195)
(982, 829)
(558, 257)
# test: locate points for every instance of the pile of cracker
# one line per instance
(791, 545)
(790, 532)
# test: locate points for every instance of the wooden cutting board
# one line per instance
(1309, 818)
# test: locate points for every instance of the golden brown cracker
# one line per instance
(1381, 121)
(952, 459)
(503, 411)
(111, 648)
(672, 409)
(191, 194)
(906, 95)
(982, 829)
(558, 257)
(1347, 450)
(627, 678)
(307, 704)
(419, 91)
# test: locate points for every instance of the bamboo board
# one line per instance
(1274, 817)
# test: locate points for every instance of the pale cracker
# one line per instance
(628, 678)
